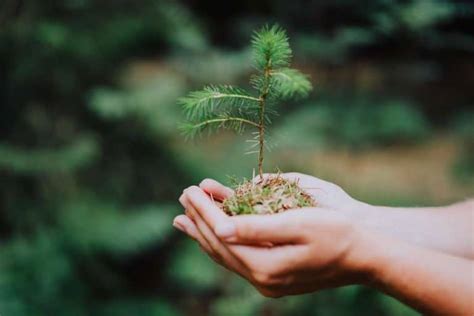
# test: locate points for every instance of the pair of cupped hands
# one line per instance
(293, 252)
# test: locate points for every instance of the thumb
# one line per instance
(257, 229)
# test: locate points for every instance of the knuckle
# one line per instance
(189, 214)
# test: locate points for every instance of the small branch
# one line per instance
(220, 95)
(227, 119)
(279, 73)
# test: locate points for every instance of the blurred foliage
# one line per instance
(91, 162)
(364, 123)
(153, 104)
(71, 157)
(464, 127)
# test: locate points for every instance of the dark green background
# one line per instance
(92, 164)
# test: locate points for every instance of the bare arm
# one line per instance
(447, 229)
(432, 282)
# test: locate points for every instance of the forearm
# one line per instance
(446, 229)
(429, 281)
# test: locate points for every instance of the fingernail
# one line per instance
(225, 230)
(179, 226)
(184, 202)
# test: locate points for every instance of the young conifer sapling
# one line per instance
(227, 107)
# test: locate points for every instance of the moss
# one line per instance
(268, 196)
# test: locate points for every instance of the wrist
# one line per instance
(362, 258)
(374, 257)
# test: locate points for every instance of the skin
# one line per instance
(421, 256)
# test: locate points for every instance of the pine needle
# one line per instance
(226, 107)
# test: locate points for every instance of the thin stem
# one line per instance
(261, 127)
(220, 95)
(226, 119)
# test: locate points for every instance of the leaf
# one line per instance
(203, 104)
(71, 157)
(93, 226)
(237, 124)
(271, 48)
(217, 107)
(288, 83)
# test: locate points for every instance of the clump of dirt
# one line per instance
(270, 195)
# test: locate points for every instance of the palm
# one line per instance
(327, 194)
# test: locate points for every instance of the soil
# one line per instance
(270, 195)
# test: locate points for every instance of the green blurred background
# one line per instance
(92, 164)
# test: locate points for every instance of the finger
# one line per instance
(206, 208)
(281, 228)
(186, 225)
(182, 200)
(192, 218)
(217, 247)
(274, 261)
(203, 235)
(220, 251)
(215, 189)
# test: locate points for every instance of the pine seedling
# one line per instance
(226, 107)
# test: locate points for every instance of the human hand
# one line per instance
(327, 195)
(304, 250)
(294, 252)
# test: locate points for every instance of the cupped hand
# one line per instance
(328, 195)
(297, 251)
